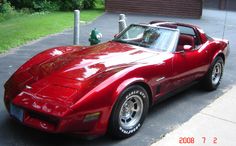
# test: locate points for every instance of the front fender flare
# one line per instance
(124, 85)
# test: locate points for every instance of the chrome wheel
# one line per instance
(131, 112)
(216, 73)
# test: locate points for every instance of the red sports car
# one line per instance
(111, 86)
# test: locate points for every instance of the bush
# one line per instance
(67, 5)
(45, 6)
(26, 11)
(87, 4)
(52, 5)
(6, 8)
(7, 11)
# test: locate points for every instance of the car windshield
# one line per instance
(151, 37)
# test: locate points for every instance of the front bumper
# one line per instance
(52, 117)
(73, 124)
(48, 113)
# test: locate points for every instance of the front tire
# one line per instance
(129, 112)
(214, 75)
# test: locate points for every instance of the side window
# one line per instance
(184, 30)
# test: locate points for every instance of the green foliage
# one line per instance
(33, 19)
(87, 4)
(53, 5)
(5, 7)
(28, 27)
(7, 11)
(67, 5)
(45, 6)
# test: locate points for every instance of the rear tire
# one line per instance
(214, 75)
(129, 112)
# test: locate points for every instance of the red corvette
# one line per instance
(109, 87)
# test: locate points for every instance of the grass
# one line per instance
(22, 29)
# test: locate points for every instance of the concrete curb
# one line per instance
(214, 125)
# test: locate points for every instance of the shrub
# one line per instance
(52, 5)
(6, 11)
(87, 4)
(6, 8)
(19, 4)
(45, 6)
(26, 11)
(66, 5)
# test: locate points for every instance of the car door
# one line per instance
(189, 65)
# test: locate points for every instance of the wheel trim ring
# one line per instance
(132, 117)
(216, 73)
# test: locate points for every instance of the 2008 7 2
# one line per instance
(192, 140)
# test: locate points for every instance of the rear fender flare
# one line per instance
(218, 53)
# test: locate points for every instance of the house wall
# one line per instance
(179, 8)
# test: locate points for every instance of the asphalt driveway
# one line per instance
(162, 119)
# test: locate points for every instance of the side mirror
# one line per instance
(187, 48)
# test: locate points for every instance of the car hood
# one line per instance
(67, 76)
(86, 63)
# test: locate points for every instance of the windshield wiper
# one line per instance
(121, 41)
(131, 43)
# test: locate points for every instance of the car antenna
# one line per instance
(226, 14)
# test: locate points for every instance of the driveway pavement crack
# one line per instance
(217, 117)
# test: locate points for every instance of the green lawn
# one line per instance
(17, 31)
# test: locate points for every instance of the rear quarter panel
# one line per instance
(214, 47)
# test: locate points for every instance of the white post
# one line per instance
(76, 26)
(122, 22)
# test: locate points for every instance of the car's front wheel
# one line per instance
(129, 112)
(213, 77)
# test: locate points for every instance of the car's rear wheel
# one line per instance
(213, 77)
(129, 112)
